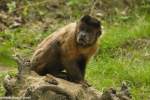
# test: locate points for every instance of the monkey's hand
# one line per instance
(85, 84)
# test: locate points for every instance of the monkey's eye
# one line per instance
(82, 28)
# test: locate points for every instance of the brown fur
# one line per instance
(62, 45)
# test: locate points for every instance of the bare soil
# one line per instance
(6, 69)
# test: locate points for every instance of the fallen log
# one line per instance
(27, 85)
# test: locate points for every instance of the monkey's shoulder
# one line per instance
(59, 35)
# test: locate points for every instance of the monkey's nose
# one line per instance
(83, 36)
(82, 40)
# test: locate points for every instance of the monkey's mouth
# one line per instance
(82, 42)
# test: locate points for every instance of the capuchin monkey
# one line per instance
(69, 49)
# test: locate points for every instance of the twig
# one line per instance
(23, 66)
(93, 7)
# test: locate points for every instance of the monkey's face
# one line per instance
(88, 31)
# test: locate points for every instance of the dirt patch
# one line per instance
(137, 43)
(6, 69)
(135, 48)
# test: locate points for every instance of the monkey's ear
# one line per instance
(85, 18)
(99, 33)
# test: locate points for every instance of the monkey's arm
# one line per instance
(73, 71)
(75, 74)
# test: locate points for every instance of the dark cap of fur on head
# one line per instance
(91, 21)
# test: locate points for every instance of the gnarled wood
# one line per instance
(34, 87)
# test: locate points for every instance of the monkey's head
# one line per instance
(88, 31)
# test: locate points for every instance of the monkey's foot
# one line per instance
(49, 78)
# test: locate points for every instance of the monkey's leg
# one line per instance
(38, 68)
(48, 60)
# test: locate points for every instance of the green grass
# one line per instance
(2, 75)
(116, 63)
(115, 35)
(111, 67)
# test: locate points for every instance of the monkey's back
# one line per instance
(47, 56)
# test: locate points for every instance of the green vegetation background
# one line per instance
(124, 53)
